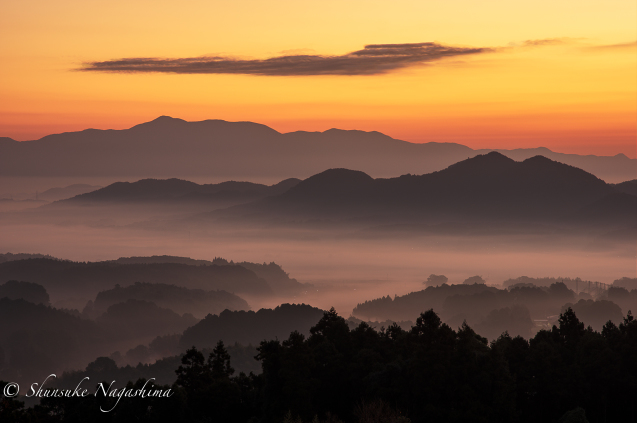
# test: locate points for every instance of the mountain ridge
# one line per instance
(174, 189)
(489, 187)
(171, 147)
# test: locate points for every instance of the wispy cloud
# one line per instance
(546, 42)
(623, 46)
(577, 42)
(374, 59)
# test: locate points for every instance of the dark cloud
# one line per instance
(374, 59)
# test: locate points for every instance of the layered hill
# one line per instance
(180, 300)
(277, 278)
(55, 194)
(490, 187)
(168, 147)
(88, 278)
(629, 187)
(36, 340)
(179, 191)
(249, 327)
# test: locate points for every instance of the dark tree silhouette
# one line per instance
(430, 373)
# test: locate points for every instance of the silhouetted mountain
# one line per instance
(180, 191)
(173, 147)
(626, 282)
(478, 304)
(615, 168)
(37, 340)
(624, 298)
(28, 291)
(137, 319)
(628, 187)
(61, 277)
(277, 278)
(168, 259)
(488, 187)
(178, 299)
(55, 194)
(596, 313)
(249, 327)
(616, 207)
(23, 256)
(576, 284)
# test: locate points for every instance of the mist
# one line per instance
(133, 275)
(346, 267)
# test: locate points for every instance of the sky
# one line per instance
(488, 74)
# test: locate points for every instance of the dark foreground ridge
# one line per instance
(430, 373)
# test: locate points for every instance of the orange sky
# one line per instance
(577, 93)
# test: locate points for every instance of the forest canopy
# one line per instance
(430, 373)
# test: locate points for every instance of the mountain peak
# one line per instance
(332, 182)
(539, 159)
(483, 162)
(340, 175)
(165, 118)
(494, 155)
(161, 122)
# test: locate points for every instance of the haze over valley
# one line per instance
(128, 271)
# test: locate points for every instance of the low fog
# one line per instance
(345, 267)
(245, 257)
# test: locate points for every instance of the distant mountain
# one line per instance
(277, 278)
(628, 187)
(474, 301)
(168, 147)
(36, 340)
(180, 191)
(22, 256)
(249, 327)
(615, 168)
(490, 187)
(55, 194)
(28, 291)
(197, 302)
(87, 279)
(135, 319)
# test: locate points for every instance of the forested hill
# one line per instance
(249, 327)
(518, 310)
(491, 188)
(88, 278)
(277, 278)
(177, 191)
(181, 300)
(428, 374)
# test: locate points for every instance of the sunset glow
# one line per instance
(562, 76)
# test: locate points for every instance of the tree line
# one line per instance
(430, 373)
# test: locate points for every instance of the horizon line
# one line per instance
(318, 132)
